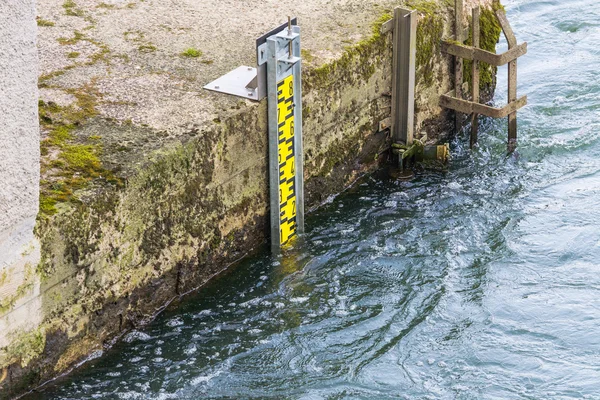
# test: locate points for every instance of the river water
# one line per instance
(482, 282)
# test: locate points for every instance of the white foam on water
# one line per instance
(136, 335)
(299, 300)
(177, 321)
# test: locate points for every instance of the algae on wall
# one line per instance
(121, 239)
(489, 34)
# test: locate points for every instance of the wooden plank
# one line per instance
(512, 96)
(467, 107)
(475, 75)
(471, 53)
(512, 79)
(505, 25)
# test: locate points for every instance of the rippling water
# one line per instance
(482, 282)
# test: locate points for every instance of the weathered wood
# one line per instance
(471, 53)
(454, 99)
(512, 79)
(505, 25)
(475, 76)
(448, 100)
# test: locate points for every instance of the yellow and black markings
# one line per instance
(287, 160)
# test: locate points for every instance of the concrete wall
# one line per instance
(19, 171)
(151, 185)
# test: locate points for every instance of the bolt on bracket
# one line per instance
(250, 82)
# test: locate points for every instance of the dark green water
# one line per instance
(480, 283)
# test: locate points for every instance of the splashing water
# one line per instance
(482, 282)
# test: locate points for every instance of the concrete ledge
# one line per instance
(153, 185)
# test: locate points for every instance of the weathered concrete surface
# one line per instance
(20, 304)
(151, 185)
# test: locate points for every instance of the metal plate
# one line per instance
(235, 82)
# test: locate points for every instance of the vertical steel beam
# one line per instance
(286, 172)
(273, 141)
(475, 74)
(298, 142)
(458, 61)
(403, 75)
(512, 79)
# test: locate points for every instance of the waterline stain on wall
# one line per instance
(151, 185)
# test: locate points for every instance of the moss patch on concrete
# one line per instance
(346, 68)
(44, 22)
(68, 164)
(7, 303)
(26, 347)
(489, 33)
(429, 35)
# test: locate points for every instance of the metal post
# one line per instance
(458, 61)
(403, 75)
(273, 140)
(298, 145)
(286, 175)
(475, 80)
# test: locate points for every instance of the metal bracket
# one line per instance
(385, 124)
(249, 82)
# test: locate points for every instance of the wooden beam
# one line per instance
(467, 107)
(471, 53)
(512, 79)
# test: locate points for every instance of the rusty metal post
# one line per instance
(403, 75)
(475, 80)
(512, 79)
(458, 61)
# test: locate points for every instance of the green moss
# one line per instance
(191, 52)
(341, 151)
(489, 33)
(147, 48)
(429, 35)
(307, 56)
(8, 302)
(77, 36)
(424, 7)
(47, 204)
(81, 158)
(28, 346)
(43, 79)
(359, 59)
(71, 9)
(73, 54)
(104, 5)
(70, 163)
(102, 55)
(43, 22)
